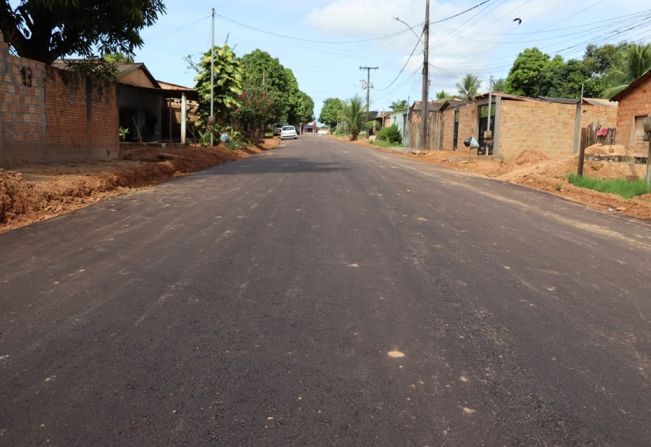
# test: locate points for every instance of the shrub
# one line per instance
(624, 188)
(391, 134)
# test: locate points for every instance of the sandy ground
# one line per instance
(38, 192)
(535, 170)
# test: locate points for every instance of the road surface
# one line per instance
(327, 294)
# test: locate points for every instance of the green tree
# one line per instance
(331, 112)
(46, 30)
(305, 109)
(353, 116)
(527, 75)
(499, 85)
(399, 105)
(227, 84)
(118, 58)
(635, 62)
(443, 95)
(263, 71)
(469, 86)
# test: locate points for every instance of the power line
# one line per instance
(454, 16)
(405, 64)
(301, 39)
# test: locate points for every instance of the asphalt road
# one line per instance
(255, 304)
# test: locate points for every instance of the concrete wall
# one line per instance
(49, 115)
(636, 104)
(468, 125)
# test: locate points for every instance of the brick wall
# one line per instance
(546, 127)
(468, 125)
(49, 115)
(636, 104)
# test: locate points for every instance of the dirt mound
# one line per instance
(610, 150)
(612, 170)
(39, 192)
(529, 156)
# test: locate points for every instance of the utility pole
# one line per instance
(368, 88)
(212, 79)
(425, 101)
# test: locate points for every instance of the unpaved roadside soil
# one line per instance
(37, 192)
(534, 170)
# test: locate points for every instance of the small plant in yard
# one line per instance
(624, 188)
(123, 132)
(558, 187)
(390, 134)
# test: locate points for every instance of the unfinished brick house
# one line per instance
(51, 115)
(634, 107)
(548, 125)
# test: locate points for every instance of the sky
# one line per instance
(325, 42)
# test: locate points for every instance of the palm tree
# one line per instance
(353, 116)
(636, 63)
(469, 86)
(443, 95)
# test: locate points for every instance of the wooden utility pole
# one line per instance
(425, 98)
(212, 79)
(368, 88)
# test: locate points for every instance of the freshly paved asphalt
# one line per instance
(255, 303)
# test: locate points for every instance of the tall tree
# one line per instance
(46, 30)
(527, 75)
(469, 86)
(443, 95)
(261, 70)
(331, 112)
(227, 84)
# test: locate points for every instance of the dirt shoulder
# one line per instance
(534, 170)
(37, 192)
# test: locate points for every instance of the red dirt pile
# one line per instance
(35, 193)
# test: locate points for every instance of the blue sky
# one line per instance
(332, 38)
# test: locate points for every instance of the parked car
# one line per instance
(277, 129)
(288, 132)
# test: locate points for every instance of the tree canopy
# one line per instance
(228, 83)
(602, 72)
(285, 101)
(399, 106)
(46, 30)
(331, 112)
(469, 86)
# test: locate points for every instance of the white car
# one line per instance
(288, 132)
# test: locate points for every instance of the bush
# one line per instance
(391, 134)
(624, 188)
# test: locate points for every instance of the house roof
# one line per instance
(632, 86)
(587, 101)
(123, 69)
(169, 86)
(433, 106)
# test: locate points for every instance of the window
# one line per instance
(638, 133)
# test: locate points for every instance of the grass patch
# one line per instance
(624, 188)
(383, 143)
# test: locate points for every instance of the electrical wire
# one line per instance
(405, 64)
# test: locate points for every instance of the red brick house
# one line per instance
(634, 107)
